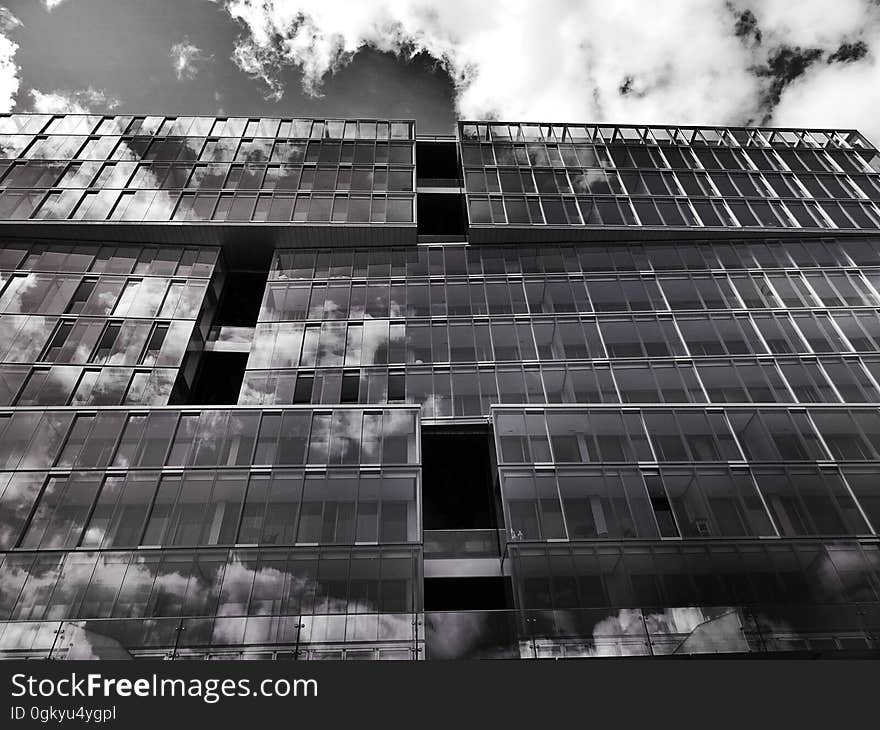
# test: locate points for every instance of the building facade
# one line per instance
(325, 389)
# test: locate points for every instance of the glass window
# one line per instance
(716, 503)
(282, 506)
(842, 436)
(121, 510)
(267, 440)
(808, 501)
(61, 512)
(775, 435)
(18, 430)
(866, 488)
(18, 494)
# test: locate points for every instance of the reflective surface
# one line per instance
(156, 603)
(573, 175)
(669, 447)
(792, 498)
(674, 631)
(91, 168)
(102, 325)
(457, 328)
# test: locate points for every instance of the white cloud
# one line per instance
(9, 79)
(80, 101)
(811, 23)
(8, 21)
(254, 62)
(52, 4)
(186, 58)
(837, 95)
(568, 60)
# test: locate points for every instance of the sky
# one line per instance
(812, 63)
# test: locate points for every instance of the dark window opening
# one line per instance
(441, 214)
(396, 387)
(105, 344)
(458, 491)
(241, 300)
(302, 391)
(218, 381)
(485, 593)
(154, 345)
(437, 161)
(81, 295)
(661, 506)
(53, 349)
(351, 383)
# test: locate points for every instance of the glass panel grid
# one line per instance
(523, 175)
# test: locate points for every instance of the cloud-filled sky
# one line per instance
(810, 63)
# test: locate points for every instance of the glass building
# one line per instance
(325, 389)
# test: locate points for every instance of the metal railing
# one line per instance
(673, 631)
(293, 636)
(754, 630)
(462, 543)
(439, 182)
